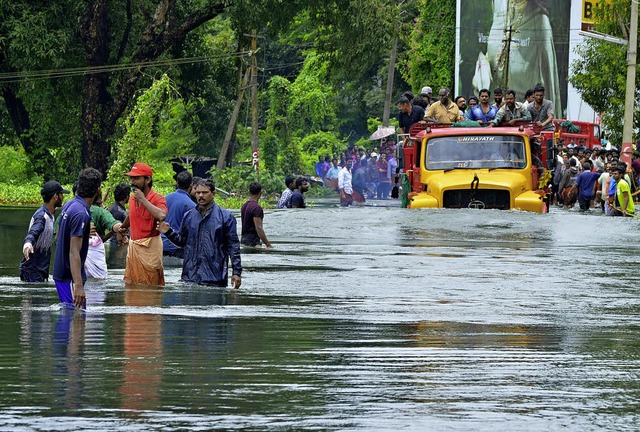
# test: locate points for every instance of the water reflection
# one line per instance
(68, 358)
(381, 319)
(142, 348)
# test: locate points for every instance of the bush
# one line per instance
(236, 180)
(23, 194)
(15, 167)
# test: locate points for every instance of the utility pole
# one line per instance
(222, 158)
(629, 100)
(254, 97)
(390, 77)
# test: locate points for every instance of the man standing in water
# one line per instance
(344, 184)
(178, 204)
(209, 238)
(73, 240)
(36, 249)
(252, 215)
(144, 255)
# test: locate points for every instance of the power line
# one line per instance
(9, 77)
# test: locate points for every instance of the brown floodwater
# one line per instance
(364, 318)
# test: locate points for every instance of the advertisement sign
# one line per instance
(589, 8)
(516, 45)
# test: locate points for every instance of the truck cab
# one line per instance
(485, 168)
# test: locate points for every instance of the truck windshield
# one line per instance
(475, 151)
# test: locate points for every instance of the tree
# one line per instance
(600, 74)
(104, 102)
(42, 111)
(431, 60)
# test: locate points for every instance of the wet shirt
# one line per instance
(75, 221)
(344, 180)
(209, 241)
(118, 211)
(297, 200)
(249, 210)
(142, 224)
(40, 235)
(102, 219)
(621, 188)
(585, 181)
(178, 204)
(285, 199)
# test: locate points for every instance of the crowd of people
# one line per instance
(595, 178)
(186, 224)
(589, 177)
(505, 109)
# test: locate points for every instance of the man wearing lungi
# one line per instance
(146, 208)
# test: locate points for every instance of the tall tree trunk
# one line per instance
(96, 101)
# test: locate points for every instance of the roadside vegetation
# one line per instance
(322, 73)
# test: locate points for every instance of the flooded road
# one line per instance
(371, 318)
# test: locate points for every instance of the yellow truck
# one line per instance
(478, 167)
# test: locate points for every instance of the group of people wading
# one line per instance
(186, 223)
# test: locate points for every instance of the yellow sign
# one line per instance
(589, 13)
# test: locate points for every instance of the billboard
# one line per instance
(514, 44)
(589, 12)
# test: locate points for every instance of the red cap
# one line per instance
(140, 169)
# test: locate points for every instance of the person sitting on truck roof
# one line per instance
(409, 114)
(542, 110)
(484, 112)
(471, 102)
(443, 111)
(511, 112)
(497, 97)
(462, 104)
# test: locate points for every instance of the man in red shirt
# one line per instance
(146, 207)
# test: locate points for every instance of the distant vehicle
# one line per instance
(579, 133)
(477, 167)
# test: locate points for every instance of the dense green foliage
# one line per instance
(432, 42)
(171, 72)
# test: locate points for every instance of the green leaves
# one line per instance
(600, 74)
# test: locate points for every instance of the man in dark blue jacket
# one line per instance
(37, 244)
(209, 238)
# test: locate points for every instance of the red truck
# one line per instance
(579, 133)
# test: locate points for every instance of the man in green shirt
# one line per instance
(105, 226)
(623, 192)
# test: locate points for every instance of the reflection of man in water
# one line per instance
(532, 55)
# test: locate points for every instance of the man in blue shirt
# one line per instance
(36, 249)
(586, 182)
(483, 113)
(178, 204)
(73, 240)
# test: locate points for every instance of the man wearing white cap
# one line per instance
(424, 98)
(146, 207)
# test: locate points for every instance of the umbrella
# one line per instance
(383, 131)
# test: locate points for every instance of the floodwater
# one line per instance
(365, 318)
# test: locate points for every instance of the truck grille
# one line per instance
(491, 198)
